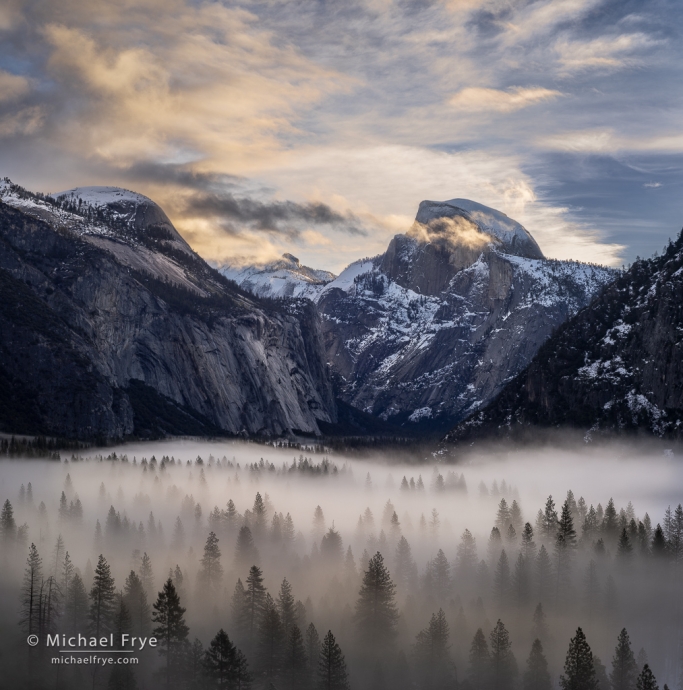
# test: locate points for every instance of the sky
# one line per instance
(316, 127)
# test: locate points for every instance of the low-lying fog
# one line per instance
(163, 499)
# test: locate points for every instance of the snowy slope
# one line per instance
(286, 277)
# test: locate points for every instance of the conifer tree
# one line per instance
(146, 574)
(502, 581)
(135, 598)
(528, 543)
(405, 569)
(441, 576)
(432, 653)
(312, 642)
(219, 660)
(610, 521)
(536, 676)
(376, 614)
(544, 578)
(480, 662)
(67, 574)
(76, 606)
(286, 607)
(565, 543)
(466, 557)
(624, 547)
(624, 669)
(295, 660)
(331, 548)
(494, 547)
(211, 573)
(171, 630)
(121, 621)
(549, 521)
(521, 584)
(102, 599)
(646, 680)
(255, 597)
(260, 516)
(271, 638)
(239, 611)
(332, 673)
(579, 671)
(8, 526)
(503, 664)
(540, 629)
(246, 553)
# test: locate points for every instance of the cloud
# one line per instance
(652, 185)
(12, 86)
(273, 217)
(478, 99)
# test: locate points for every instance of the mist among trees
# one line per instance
(315, 572)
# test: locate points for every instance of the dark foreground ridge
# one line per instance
(615, 368)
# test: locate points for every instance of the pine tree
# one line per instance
(565, 544)
(440, 573)
(8, 526)
(260, 516)
(239, 611)
(76, 606)
(432, 653)
(211, 573)
(503, 664)
(376, 614)
(544, 583)
(146, 574)
(331, 548)
(503, 518)
(610, 521)
(312, 643)
(521, 584)
(528, 543)
(624, 548)
(171, 630)
(332, 673)
(102, 599)
(135, 598)
(295, 660)
(624, 669)
(405, 569)
(579, 671)
(270, 638)
(480, 662)
(502, 581)
(67, 575)
(549, 520)
(646, 680)
(219, 659)
(246, 553)
(466, 557)
(285, 607)
(121, 621)
(255, 597)
(536, 676)
(540, 629)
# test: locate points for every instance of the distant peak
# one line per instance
(292, 258)
(512, 237)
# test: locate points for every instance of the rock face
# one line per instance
(615, 367)
(110, 325)
(429, 332)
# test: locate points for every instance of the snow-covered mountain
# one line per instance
(286, 277)
(429, 332)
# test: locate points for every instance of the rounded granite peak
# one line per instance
(509, 235)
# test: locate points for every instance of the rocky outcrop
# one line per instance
(615, 367)
(111, 326)
(428, 333)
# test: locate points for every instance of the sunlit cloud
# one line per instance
(475, 99)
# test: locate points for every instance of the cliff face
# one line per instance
(110, 326)
(429, 332)
(615, 367)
